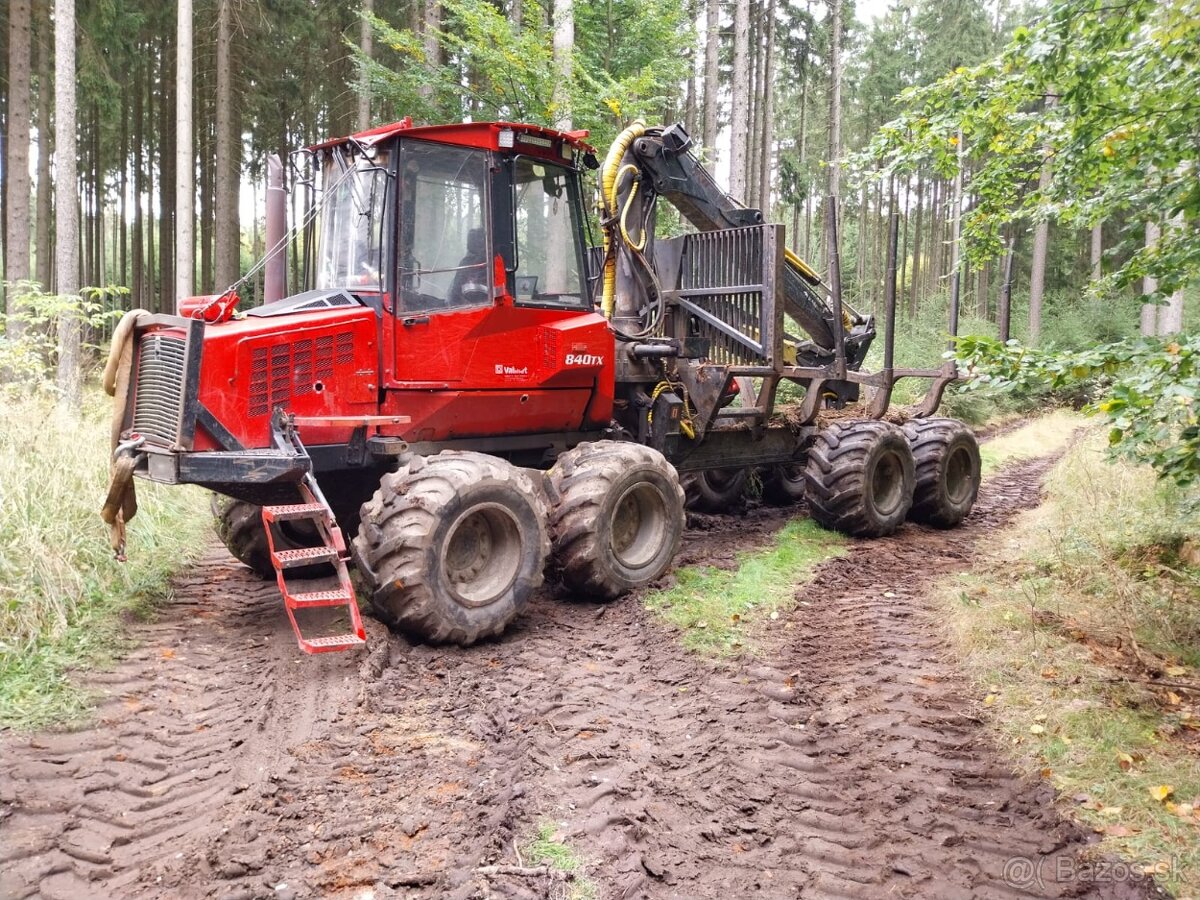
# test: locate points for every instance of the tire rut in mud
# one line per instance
(845, 761)
(198, 713)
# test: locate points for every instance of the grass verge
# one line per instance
(715, 608)
(1082, 632)
(546, 849)
(62, 595)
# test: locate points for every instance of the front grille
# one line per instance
(158, 397)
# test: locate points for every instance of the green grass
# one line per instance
(546, 849)
(1047, 627)
(716, 609)
(63, 597)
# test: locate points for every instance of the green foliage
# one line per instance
(1149, 391)
(29, 342)
(1107, 94)
(629, 60)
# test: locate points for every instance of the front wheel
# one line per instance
(452, 546)
(240, 527)
(860, 477)
(616, 519)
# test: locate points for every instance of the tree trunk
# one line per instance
(365, 44)
(66, 259)
(1149, 323)
(835, 98)
(1037, 272)
(1004, 306)
(1170, 316)
(229, 155)
(168, 264)
(430, 25)
(1097, 251)
(564, 48)
(185, 247)
(918, 269)
(202, 136)
(137, 260)
(768, 128)
(739, 124)
(123, 187)
(755, 112)
(712, 44)
(45, 193)
(16, 143)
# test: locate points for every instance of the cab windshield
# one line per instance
(351, 250)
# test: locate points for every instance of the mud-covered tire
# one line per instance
(785, 484)
(860, 476)
(452, 546)
(240, 527)
(946, 455)
(616, 517)
(714, 490)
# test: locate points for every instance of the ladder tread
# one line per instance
(332, 642)
(335, 597)
(304, 556)
(287, 512)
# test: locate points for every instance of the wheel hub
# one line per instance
(638, 520)
(482, 555)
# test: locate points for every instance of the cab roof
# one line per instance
(480, 135)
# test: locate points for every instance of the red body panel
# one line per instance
(311, 364)
(496, 370)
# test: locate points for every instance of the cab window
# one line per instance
(549, 262)
(444, 255)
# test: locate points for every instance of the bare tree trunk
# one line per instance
(1004, 306)
(712, 44)
(918, 269)
(1170, 316)
(168, 265)
(835, 97)
(516, 15)
(66, 260)
(229, 158)
(123, 187)
(185, 175)
(564, 48)
(16, 143)
(1041, 244)
(430, 25)
(365, 44)
(739, 124)
(137, 260)
(754, 116)
(1149, 323)
(45, 193)
(768, 128)
(1097, 251)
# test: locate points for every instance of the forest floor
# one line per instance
(847, 757)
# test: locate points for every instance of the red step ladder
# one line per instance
(332, 551)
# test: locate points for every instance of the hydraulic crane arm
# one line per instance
(665, 167)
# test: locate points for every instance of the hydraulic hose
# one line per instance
(608, 209)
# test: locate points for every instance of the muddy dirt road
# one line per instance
(847, 760)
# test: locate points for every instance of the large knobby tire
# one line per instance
(452, 546)
(946, 455)
(616, 518)
(860, 477)
(240, 526)
(714, 490)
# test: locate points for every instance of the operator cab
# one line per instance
(444, 218)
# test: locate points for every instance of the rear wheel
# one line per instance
(452, 546)
(616, 520)
(240, 526)
(785, 484)
(947, 471)
(714, 490)
(860, 477)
